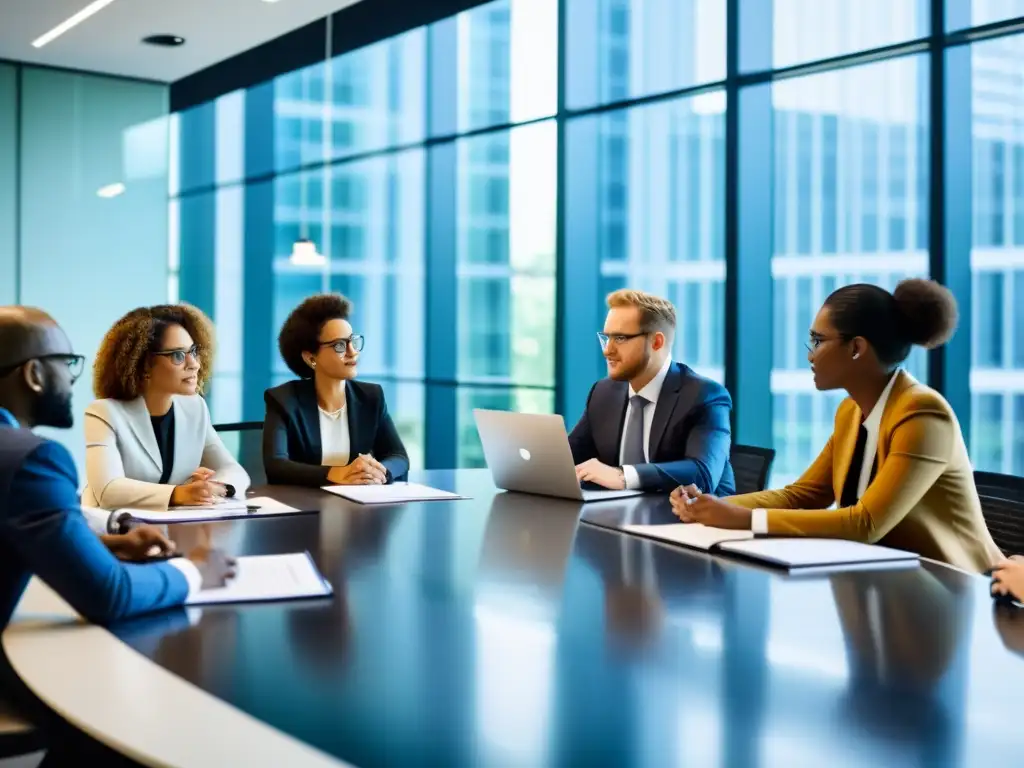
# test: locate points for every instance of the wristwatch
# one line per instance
(117, 522)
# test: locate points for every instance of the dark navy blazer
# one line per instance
(292, 449)
(690, 437)
(43, 532)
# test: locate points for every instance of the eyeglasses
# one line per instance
(816, 341)
(75, 364)
(618, 338)
(177, 356)
(341, 345)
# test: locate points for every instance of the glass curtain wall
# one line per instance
(478, 185)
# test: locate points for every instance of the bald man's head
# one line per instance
(37, 368)
(26, 333)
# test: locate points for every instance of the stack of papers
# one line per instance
(396, 493)
(262, 578)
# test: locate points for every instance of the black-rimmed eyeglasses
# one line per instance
(618, 338)
(75, 364)
(341, 345)
(177, 356)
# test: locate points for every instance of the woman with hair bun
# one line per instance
(896, 466)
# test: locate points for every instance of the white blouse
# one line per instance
(334, 438)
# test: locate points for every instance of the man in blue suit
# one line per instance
(42, 528)
(653, 424)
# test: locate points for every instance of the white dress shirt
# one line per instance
(872, 424)
(334, 438)
(191, 572)
(651, 392)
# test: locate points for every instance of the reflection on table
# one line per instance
(500, 631)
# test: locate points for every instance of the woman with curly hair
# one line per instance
(150, 443)
(896, 462)
(326, 428)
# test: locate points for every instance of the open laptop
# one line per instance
(530, 453)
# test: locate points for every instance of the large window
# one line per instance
(505, 274)
(477, 217)
(507, 51)
(851, 181)
(656, 213)
(810, 30)
(997, 253)
(366, 100)
(973, 13)
(506, 256)
(625, 49)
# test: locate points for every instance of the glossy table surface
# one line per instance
(500, 631)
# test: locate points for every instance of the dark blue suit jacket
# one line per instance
(292, 450)
(691, 436)
(43, 532)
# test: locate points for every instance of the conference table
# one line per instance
(507, 630)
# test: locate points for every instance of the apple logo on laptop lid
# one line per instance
(524, 454)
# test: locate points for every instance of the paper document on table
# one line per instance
(268, 577)
(396, 493)
(688, 534)
(805, 553)
(224, 510)
(268, 505)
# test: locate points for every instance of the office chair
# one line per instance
(1002, 504)
(751, 465)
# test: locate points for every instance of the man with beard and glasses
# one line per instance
(652, 423)
(42, 528)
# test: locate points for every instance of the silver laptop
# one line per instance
(530, 453)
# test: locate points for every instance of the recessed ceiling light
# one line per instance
(111, 190)
(269, 1)
(91, 9)
(169, 41)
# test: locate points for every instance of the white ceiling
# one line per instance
(110, 41)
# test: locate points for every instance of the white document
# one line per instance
(396, 493)
(802, 553)
(688, 534)
(223, 510)
(268, 577)
(269, 506)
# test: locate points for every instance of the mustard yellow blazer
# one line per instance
(922, 497)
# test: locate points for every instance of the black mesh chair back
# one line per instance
(1002, 504)
(751, 465)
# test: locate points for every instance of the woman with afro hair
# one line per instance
(326, 428)
(896, 466)
(150, 442)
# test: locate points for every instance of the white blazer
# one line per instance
(122, 458)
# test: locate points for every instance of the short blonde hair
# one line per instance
(656, 313)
